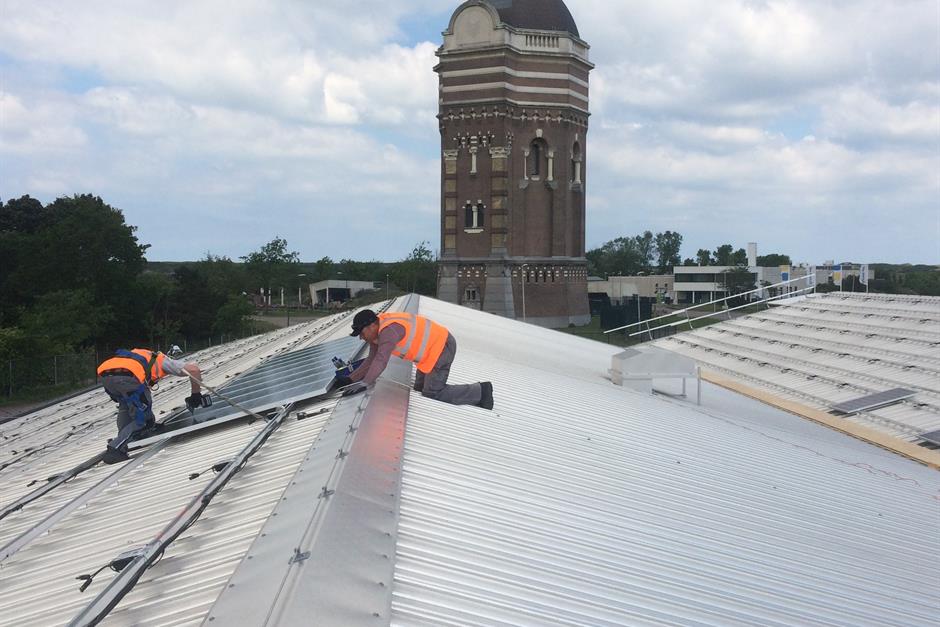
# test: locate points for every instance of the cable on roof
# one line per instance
(217, 467)
(150, 554)
(117, 565)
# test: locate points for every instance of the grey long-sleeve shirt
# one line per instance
(375, 363)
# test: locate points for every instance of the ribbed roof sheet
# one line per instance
(39, 586)
(577, 502)
(573, 502)
(825, 349)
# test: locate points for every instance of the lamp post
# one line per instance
(300, 298)
(524, 276)
(386, 286)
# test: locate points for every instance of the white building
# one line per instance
(620, 287)
(334, 290)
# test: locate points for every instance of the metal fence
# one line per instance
(33, 373)
(60, 373)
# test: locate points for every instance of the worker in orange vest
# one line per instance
(415, 338)
(128, 377)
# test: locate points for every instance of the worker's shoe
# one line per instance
(115, 455)
(486, 397)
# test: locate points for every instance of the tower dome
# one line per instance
(536, 14)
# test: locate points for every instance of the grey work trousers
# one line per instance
(434, 384)
(120, 387)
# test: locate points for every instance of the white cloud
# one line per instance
(43, 129)
(776, 120)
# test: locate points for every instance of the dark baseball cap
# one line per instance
(363, 319)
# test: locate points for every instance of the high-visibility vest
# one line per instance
(149, 374)
(423, 342)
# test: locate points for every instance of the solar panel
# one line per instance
(287, 378)
(933, 437)
(872, 401)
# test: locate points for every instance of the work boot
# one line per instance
(486, 396)
(115, 455)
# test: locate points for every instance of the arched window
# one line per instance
(576, 163)
(473, 215)
(537, 153)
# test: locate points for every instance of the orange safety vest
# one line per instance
(423, 342)
(135, 367)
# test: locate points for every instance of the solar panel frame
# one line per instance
(286, 378)
(872, 401)
(931, 436)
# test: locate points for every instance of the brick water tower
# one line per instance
(513, 118)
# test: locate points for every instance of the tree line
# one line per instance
(74, 276)
(647, 253)
(658, 253)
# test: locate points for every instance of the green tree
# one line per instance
(646, 248)
(417, 272)
(156, 293)
(773, 260)
(66, 320)
(703, 257)
(619, 256)
(272, 266)
(735, 281)
(322, 269)
(22, 215)
(232, 317)
(193, 304)
(668, 245)
(78, 243)
(925, 283)
(724, 255)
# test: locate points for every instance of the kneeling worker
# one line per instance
(418, 339)
(127, 378)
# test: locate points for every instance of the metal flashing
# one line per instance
(327, 549)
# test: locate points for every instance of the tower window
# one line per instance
(576, 163)
(473, 215)
(535, 159)
(471, 295)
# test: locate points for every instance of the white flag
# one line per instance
(863, 274)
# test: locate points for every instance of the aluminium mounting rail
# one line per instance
(127, 578)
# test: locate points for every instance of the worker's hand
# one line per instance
(197, 400)
(355, 388)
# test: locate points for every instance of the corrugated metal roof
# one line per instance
(575, 502)
(825, 350)
(127, 512)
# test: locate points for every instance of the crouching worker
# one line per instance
(127, 378)
(418, 339)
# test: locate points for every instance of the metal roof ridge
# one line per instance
(336, 523)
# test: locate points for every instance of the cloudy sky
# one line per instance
(809, 126)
